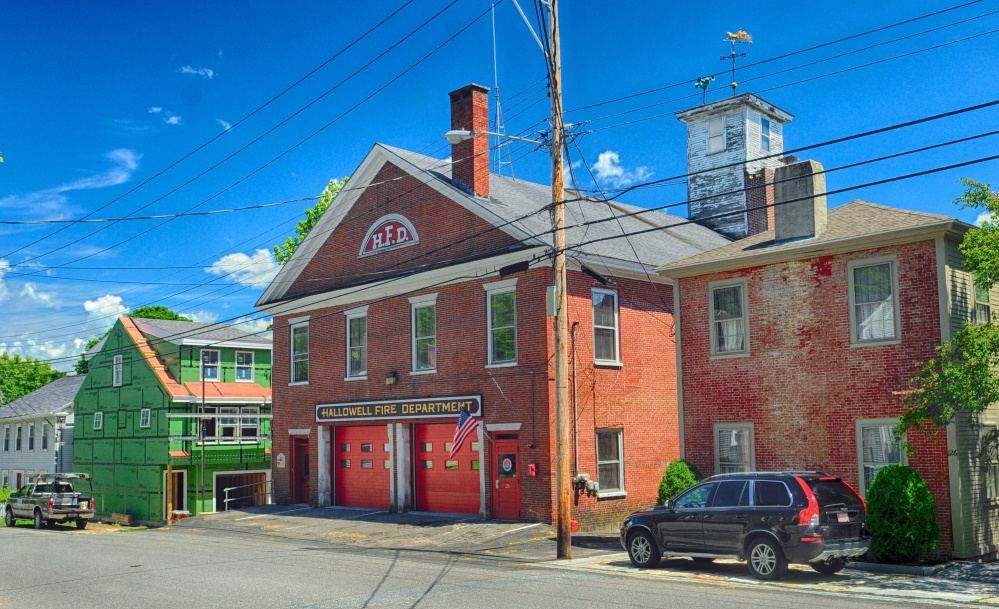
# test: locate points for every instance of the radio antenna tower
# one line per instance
(740, 37)
(498, 122)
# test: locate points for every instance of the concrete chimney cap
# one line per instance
(459, 93)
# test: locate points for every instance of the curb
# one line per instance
(873, 567)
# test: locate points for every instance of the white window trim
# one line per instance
(618, 492)
(859, 439)
(500, 285)
(145, 415)
(291, 350)
(98, 421)
(489, 325)
(253, 366)
(769, 134)
(201, 364)
(617, 329)
(31, 437)
(712, 286)
(420, 304)
(351, 315)
(752, 442)
(850, 266)
(975, 301)
(724, 136)
(117, 371)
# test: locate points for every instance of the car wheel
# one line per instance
(8, 518)
(829, 567)
(765, 559)
(642, 550)
(81, 524)
(38, 519)
(701, 562)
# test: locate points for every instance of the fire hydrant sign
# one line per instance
(389, 232)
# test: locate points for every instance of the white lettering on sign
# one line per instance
(389, 232)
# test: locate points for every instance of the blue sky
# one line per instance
(99, 97)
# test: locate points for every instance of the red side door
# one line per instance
(445, 484)
(361, 466)
(300, 470)
(506, 477)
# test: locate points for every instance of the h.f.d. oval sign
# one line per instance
(389, 232)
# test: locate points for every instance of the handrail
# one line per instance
(232, 488)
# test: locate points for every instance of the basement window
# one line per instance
(716, 135)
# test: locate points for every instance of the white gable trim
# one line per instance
(356, 186)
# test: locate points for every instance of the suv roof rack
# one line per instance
(773, 473)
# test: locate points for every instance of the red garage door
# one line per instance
(444, 484)
(361, 467)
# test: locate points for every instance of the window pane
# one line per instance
(301, 372)
(450, 465)
(426, 354)
(358, 331)
(715, 126)
(604, 345)
(728, 302)
(366, 448)
(358, 361)
(603, 310)
(426, 321)
(734, 450)
(730, 494)
(504, 345)
(769, 493)
(875, 307)
(366, 464)
(244, 359)
(607, 476)
(696, 498)
(300, 340)
(244, 373)
(607, 447)
(879, 449)
(503, 309)
(981, 291)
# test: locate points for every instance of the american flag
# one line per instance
(466, 425)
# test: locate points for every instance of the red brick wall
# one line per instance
(760, 199)
(803, 386)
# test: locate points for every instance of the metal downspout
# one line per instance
(575, 416)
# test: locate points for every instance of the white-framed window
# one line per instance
(983, 308)
(144, 418)
(228, 426)
(991, 467)
(116, 371)
(765, 134)
(357, 345)
(876, 449)
(98, 420)
(31, 436)
(735, 448)
(716, 134)
(501, 314)
(45, 436)
(610, 462)
(873, 288)
(244, 366)
(729, 318)
(209, 425)
(210, 365)
(249, 427)
(17, 439)
(6, 438)
(300, 353)
(606, 325)
(424, 336)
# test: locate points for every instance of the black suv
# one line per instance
(765, 518)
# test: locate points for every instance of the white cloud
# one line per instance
(255, 326)
(46, 350)
(985, 216)
(105, 306)
(171, 120)
(225, 126)
(203, 72)
(48, 300)
(255, 271)
(4, 268)
(446, 159)
(155, 110)
(610, 171)
(53, 200)
(203, 316)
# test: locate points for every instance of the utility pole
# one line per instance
(563, 487)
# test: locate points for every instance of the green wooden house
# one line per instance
(164, 397)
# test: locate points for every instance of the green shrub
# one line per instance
(5, 493)
(901, 516)
(679, 475)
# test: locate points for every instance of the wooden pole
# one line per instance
(169, 492)
(563, 485)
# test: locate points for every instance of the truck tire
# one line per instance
(81, 524)
(38, 519)
(8, 517)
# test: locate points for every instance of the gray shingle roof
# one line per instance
(91, 352)
(510, 198)
(174, 331)
(54, 397)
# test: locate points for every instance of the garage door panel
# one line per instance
(448, 485)
(359, 465)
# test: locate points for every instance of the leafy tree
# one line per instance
(981, 244)
(147, 312)
(284, 251)
(901, 515)
(679, 476)
(20, 376)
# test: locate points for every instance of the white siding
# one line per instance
(34, 461)
(727, 180)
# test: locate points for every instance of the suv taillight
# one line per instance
(809, 515)
(51, 504)
(862, 502)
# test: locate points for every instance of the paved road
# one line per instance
(194, 567)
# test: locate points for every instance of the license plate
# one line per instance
(842, 518)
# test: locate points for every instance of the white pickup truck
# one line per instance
(52, 498)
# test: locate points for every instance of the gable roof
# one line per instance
(855, 225)
(56, 396)
(91, 352)
(513, 207)
(200, 333)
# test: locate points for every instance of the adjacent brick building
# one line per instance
(798, 343)
(422, 290)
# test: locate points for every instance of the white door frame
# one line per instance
(237, 472)
(176, 471)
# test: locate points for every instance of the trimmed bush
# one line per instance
(901, 516)
(679, 475)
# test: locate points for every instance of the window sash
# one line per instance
(716, 135)
(502, 327)
(357, 345)
(31, 436)
(6, 439)
(734, 449)
(300, 354)
(18, 435)
(45, 436)
(878, 450)
(765, 134)
(874, 302)
(605, 326)
(116, 371)
(209, 365)
(228, 427)
(144, 417)
(98, 420)
(610, 474)
(244, 366)
(248, 426)
(729, 319)
(425, 337)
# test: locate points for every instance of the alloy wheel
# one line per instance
(763, 559)
(641, 551)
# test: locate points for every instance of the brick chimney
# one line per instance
(470, 159)
(804, 218)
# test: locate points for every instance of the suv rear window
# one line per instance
(832, 492)
(731, 493)
(769, 493)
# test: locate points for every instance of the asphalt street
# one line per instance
(192, 567)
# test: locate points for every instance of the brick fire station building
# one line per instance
(392, 315)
